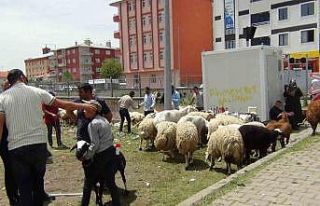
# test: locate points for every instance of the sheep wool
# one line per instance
(147, 130)
(166, 136)
(187, 137)
(207, 116)
(227, 119)
(136, 117)
(172, 115)
(200, 123)
(227, 143)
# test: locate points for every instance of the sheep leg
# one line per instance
(283, 145)
(190, 158)
(314, 127)
(212, 163)
(140, 146)
(228, 168)
(186, 158)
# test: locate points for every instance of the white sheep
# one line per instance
(136, 117)
(207, 115)
(213, 125)
(255, 123)
(228, 119)
(186, 141)
(226, 142)
(201, 124)
(165, 140)
(172, 115)
(147, 131)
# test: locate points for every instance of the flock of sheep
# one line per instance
(229, 137)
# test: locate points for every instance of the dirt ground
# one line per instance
(151, 181)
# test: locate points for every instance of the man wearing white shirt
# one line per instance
(20, 109)
(149, 102)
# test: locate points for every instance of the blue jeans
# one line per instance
(29, 167)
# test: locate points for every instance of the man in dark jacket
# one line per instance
(293, 94)
(275, 111)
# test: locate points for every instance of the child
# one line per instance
(101, 155)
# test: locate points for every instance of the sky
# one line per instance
(26, 26)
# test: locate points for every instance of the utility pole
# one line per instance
(167, 69)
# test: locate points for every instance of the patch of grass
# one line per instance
(244, 179)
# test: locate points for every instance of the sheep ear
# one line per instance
(73, 147)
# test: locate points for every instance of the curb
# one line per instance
(198, 197)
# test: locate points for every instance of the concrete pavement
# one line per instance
(294, 179)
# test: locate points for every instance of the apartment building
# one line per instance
(83, 61)
(38, 67)
(141, 35)
(292, 25)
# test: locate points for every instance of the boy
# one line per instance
(100, 156)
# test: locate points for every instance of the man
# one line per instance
(275, 111)
(20, 108)
(51, 118)
(101, 156)
(11, 188)
(175, 98)
(149, 102)
(197, 98)
(125, 102)
(86, 94)
(293, 94)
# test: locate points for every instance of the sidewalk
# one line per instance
(294, 179)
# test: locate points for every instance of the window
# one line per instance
(108, 52)
(74, 60)
(307, 36)
(254, 0)
(283, 39)
(144, 21)
(73, 51)
(131, 41)
(153, 78)
(132, 23)
(161, 17)
(97, 51)
(143, 3)
(98, 70)
(145, 38)
(260, 18)
(307, 9)
(161, 55)
(98, 60)
(265, 40)
(74, 70)
(230, 44)
(131, 6)
(161, 36)
(68, 61)
(68, 52)
(145, 57)
(283, 14)
(151, 56)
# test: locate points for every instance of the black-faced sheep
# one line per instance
(226, 142)
(257, 138)
(186, 141)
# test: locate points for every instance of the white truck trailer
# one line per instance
(243, 78)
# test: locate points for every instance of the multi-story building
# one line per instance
(83, 61)
(37, 68)
(141, 34)
(290, 24)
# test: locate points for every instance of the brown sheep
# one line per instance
(284, 126)
(313, 115)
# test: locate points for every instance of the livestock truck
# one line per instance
(243, 79)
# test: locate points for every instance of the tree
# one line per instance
(67, 76)
(111, 68)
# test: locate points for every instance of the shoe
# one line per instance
(50, 160)
(62, 147)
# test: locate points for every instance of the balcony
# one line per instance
(116, 18)
(116, 35)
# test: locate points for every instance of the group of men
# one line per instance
(24, 138)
